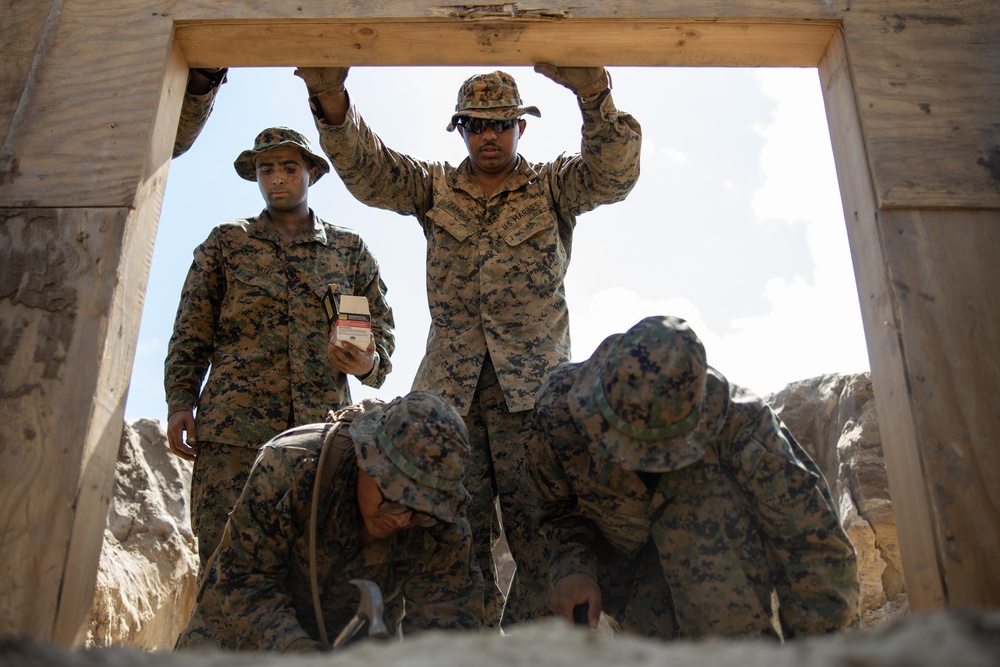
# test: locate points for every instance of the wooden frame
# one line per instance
(88, 124)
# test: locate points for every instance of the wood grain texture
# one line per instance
(586, 43)
(944, 278)
(92, 99)
(22, 24)
(929, 89)
(60, 441)
(914, 519)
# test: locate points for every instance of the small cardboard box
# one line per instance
(354, 322)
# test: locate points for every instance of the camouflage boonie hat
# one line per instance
(278, 137)
(416, 450)
(641, 397)
(493, 96)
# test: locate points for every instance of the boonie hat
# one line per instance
(415, 450)
(641, 397)
(493, 96)
(278, 137)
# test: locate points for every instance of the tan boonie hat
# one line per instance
(278, 137)
(493, 96)
(641, 397)
(415, 450)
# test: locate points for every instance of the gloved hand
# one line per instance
(586, 82)
(322, 79)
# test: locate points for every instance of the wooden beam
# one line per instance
(581, 42)
(932, 319)
(944, 277)
(75, 282)
(893, 403)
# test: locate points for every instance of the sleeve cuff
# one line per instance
(373, 372)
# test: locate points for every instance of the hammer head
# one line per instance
(371, 607)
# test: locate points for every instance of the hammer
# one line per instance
(370, 609)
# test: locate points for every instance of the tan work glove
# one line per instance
(586, 82)
(322, 79)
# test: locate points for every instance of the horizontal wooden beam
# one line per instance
(579, 42)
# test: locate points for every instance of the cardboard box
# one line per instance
(354, 322)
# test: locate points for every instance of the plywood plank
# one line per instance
(944, 271)
(929, 90)
(640, 43)
(92, 102)
(890, 377)
(54, 318)
(20, 37)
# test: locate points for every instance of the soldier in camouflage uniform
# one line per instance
(678, 501)
(499, 232)
(393, 512)
(251, 309)
(199, 98)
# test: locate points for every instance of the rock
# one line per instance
(146, 576)
(833, 418)
(955, 639)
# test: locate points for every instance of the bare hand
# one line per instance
(573, 590)
(178, 424)
(349, 359)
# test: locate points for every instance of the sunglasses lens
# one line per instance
(423, 520)
(479, 125)
(388, 507)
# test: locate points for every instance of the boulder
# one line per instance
(146, 576)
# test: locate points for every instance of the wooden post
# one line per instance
(87, 123)
(75, 249)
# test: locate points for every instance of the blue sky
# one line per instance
(735, 224)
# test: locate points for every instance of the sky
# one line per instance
(735, 223)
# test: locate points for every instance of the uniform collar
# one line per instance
(261, 227)
(463, 179)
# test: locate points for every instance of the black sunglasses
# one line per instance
(391, 508)
(479, 125)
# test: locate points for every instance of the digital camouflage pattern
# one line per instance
(262, 598)
(497, 470)
(643, 392)
(495, 267)
(251, 309)
(278, 137)
(421, 436)
(495, 280)
(492, 95)
(195, 111)
(220, 471)
(696, 551)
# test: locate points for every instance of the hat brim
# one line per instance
(245, 167)
(662, 455)
(395, 484)
(496, 113)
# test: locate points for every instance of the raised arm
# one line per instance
(607, 166)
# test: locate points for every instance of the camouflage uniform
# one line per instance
(195, 111)
(686, 524)
(251, 309)
(262, 599)
(495, 272)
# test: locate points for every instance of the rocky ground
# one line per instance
(936, 640)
